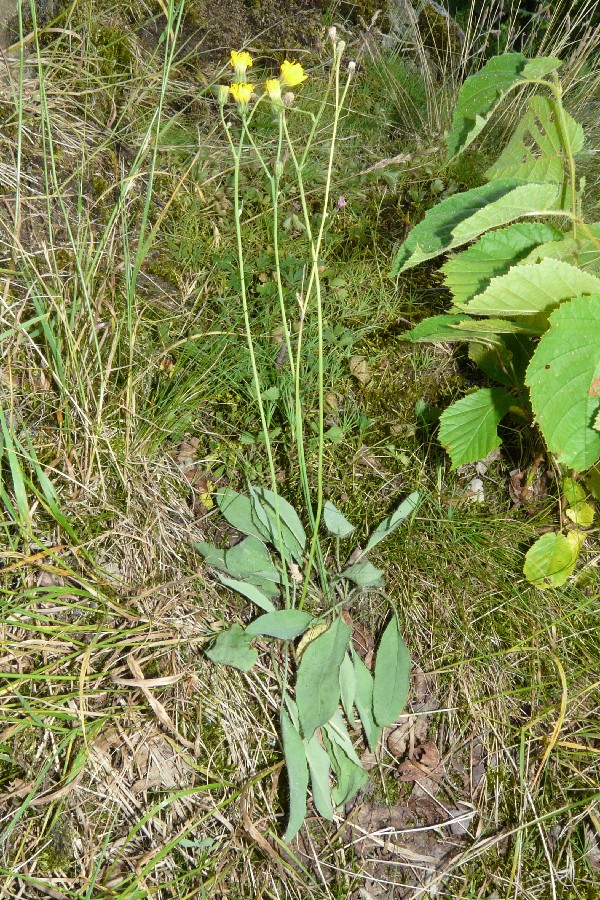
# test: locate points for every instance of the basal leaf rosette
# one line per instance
(564, 382)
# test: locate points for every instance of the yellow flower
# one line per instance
(241, 94)
(273, 88)
(240, 61)
(292, 73)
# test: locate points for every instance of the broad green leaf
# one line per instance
(232, 648)
(319, 766)
(364, 574)
(389, 525)
(392, 675)
(237, 510)
(335, 522)
(564, 382)
(527, 290)
(550, 561)
(251, 559)
(464, 328)
(469, 427)
(212, 555)
(350, 775)
(297, 772)
(535, 151)
(583, 252)
(462, 218)
(540, 67)
(469, 272)
(483, 329)
(579, 510)
(572, 491)
(265, 502)
(251, 592)
(285, 624)
(505, 362)
(479, 96)
(348, 687)
(364, 701)
(318, 679)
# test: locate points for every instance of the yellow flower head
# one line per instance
(292, 73)
(240, 61)
(241, 94)
(273, 88)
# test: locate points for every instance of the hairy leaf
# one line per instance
(318, 679)
(285, 624)
(251, 559)
(335, 521)
(469, 427)
(232, 648)
(469, 272)
(212, 555)
(550, 561)
(392, 675)
(389, 525)
(583, 251)
(297, 771)
(462, 218)
(364, 574)
(348, 687)
(350, 775)
(540, 67)
(364, 701)
(251, 592)
(265, 503)
(237, 510)
(564, 382)
(319, 766)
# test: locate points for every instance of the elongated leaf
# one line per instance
(335, 521)
(297, 771)
(583, 251)
(550, 561)
(479, 96)
(392, 675)
(389, 525)
(251, 558)
(364, 701)
(265, 504)
(535, 151)
(251, 592)
(469, 272)
(350, 775)
(462, 218)
(212, 555)
(464, 328)
(238, 509)
(527, 290)
(348, 687)
(564, 382)
(364, 574)
(232, 648)
(320, 766)
(469, 428)
(318, 679)
(337, 732)
(285, 624)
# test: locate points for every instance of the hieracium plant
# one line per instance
(280, 565)
(526, 294)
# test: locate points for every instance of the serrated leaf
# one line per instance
(237, 510)
(530, 290)
(389, 525)
(232, 648)
(583, 252)
(251, 592)
(392, 675)
(572, 491)
(469, 272)
(264, 505)
(285, 624)
(348, 687)
(540, 67)
(335, 521)
(564, 382)
(318, 679)
(364, 701)
(212, 555)
(550, 561)
(469, 427)
(479, 96)
(251, 559)
(297, 772)
(462, 218)
(319, 767)
(535, 151)
(441, 328)
(364, 574)
(581, 513)
(507, 361)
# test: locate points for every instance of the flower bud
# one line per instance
(222, 94)
(332, 34)
(351, 67)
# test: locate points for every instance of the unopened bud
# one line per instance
(332, 34)
(351, 67)
(341, 47)
(222, 94)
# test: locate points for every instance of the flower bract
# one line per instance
(292, 73)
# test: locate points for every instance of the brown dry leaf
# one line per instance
(359, 367)
(528, 486)
(397, 740)
(425, 762)
(362, 640)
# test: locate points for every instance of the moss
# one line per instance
(441, 35)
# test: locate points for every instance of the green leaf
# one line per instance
(479, 96)
(462, 218)
(350, 775)
(285, 624)
(535, 151)
(527, 290)
(348, 687)
(232, 648)
(335, 522)
(469, 272)
(564, 382)
(572, 491)
(364, 701)
(392, 675)
(468, 428)
(212, 555)
(318, 679)
(251, 592)
(592, 482)
(579, 510)
(583, 251)
(364, 574)
(337, 732)
(319, 766)
(264, 503)
(540, 67)
(251, 559)
(505, 362)
(550, 561)
(297, 772)
(408, 506)
(237, 510)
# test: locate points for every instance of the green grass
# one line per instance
(129, 766)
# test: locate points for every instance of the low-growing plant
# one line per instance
(526, 292)
(279, 565)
